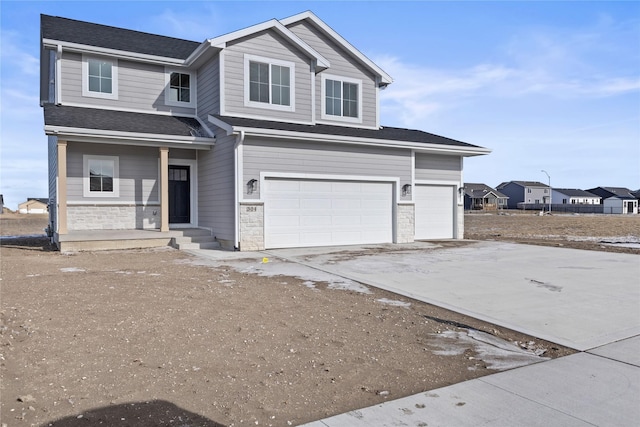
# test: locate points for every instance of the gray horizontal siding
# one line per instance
(328, 159)
(209, 89)
(140, 86)
(269, 45)
(438, 167)
(216, 189)
(342, 64)
(138, 172)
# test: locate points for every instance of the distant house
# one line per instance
(34, 205)
(571, 196)
(527, 192)
(617, 200)
(483, 197)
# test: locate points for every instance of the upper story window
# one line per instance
(341, 98)
(101, 176)
(179, 89)
(99, 77)
(269, 83)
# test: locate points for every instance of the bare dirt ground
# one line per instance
(607, 233)
(150, 338)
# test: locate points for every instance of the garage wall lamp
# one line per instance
(252, 186)
(406, 190)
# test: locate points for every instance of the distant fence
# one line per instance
(566, 208)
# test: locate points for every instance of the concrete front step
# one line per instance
(194, 238)
(201, 245)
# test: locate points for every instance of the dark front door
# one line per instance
(179, 195)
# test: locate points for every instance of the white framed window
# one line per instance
(179, 88)
(99, 77)
(101, 176)
(269, 83)
(341, 98)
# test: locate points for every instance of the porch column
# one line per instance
(62, 187)
(164, 189)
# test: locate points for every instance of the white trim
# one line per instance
(222, 81)
(413, 174)
(193, 189)
(323, 98)
(58, 82)
(436, 182)
(167, 89)
(139, 138)
(313, 95)
(126, 110)
(85, 77)
(248, 58)
(86, 189)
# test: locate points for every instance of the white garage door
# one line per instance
(434, 211)
(301, 213)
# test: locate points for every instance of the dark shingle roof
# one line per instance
(87, 33)
(523, 184)
(573, 192)
(480, 190)
(387, 133)
(605, 192)
(121, 121)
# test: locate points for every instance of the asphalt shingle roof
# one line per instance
(121, 121)
(387, 133)
(87, 33)
(480, 190)
(573, 192)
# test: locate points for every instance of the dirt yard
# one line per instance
(140, 338)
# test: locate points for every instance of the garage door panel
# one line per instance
(327, 213)
(434, 211)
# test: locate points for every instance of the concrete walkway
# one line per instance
(586, 300)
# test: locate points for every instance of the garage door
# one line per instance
(301, 213)
(434, 211)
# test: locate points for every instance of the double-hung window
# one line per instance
(341, 98)
(99, 77)
(101, 176)
(269, 83)
(179, 88)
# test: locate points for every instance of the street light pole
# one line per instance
(550, 190)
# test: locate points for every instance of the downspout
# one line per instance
(238, 188)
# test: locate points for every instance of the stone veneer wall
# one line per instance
(406, 223)
(113, 217)
(251, 226)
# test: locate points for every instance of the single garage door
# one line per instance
(434, 211)
(300, 213)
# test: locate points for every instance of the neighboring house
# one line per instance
(522, 193)
(570, 196)
(267, 137)
(617, 200)
(34, 205)
(483, 197)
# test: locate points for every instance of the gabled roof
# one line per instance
(606, 192)
(573, 192)
(481, 190)
(43, 200)
(385, 78)
(390, 135)
(96, 122)
(67, 30)
(523, 184)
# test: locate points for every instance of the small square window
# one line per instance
(100, 176)
(178, 89)
(341, 99)
(99, 78)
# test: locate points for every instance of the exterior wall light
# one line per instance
(252, 186)
(406, 190)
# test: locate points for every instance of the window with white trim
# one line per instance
(179, 88)
(341, 98)
(269, 83)
(100, 176)
(99, 77)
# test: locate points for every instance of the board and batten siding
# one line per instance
(138, 172)
(342, 64)
(140, 86)
(216, 209)
(270, 45)
(323, 159)
(436, 167)
(209, 89)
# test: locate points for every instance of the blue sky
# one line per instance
(546, 85)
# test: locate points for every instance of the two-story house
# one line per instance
(525, 192)
(617, 200)
(267, 137)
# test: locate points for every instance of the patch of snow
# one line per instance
(72, 270)
(497, 353)
(394, 303)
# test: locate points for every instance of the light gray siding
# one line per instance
(269, 45)
(437, 167)
(342, 64)
(140, 86)
(138, 171)
(216, 189)
(209, 89)
(52, 143)
(326, 159)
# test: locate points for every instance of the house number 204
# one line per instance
(251, 209)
